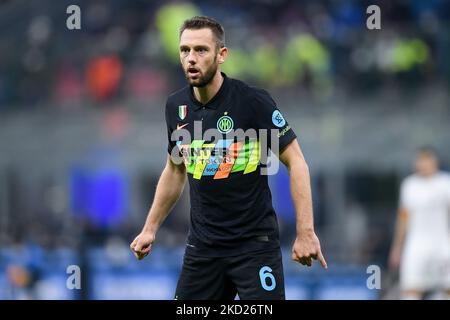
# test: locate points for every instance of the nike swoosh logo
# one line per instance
(181, 127)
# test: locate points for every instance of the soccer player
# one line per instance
(233, 241)
(421, 246)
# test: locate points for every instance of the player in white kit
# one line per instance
(421, 246)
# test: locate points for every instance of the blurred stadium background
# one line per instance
(83, 139)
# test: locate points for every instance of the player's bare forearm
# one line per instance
(307, 245)
(298, 170)
(301, 195)
(399, 238)
(400, 228)
(170, 186)
(168, 191)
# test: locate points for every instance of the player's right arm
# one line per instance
(168, 191)
(399, 238)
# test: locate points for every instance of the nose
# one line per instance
(192, 59)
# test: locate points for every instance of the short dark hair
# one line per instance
(428, 150)
(201, 22)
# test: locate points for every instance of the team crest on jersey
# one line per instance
(225, 124)
(182, 111)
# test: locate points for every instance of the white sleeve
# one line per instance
(448, 191)
(402, 200)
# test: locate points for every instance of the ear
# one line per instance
(223, 54)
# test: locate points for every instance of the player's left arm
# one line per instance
(307, 245)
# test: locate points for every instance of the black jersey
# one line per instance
(231, 203)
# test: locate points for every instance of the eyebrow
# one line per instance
(195, 47)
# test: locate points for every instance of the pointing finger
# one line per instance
(322, 260)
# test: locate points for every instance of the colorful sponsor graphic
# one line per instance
(182, 111)
(220, 159)
(277, 119)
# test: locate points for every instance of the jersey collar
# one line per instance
(215, 101)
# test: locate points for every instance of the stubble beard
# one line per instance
(205, 79)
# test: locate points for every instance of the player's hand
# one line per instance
(142, 244)
(306, 248)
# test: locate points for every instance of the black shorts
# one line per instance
(253, 276)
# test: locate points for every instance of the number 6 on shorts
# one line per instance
(264, 274)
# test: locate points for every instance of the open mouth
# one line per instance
(193, 71)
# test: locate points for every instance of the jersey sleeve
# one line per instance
(268, 116)
(402, 195)
(447, 190)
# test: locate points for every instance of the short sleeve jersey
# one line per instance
(222, 144)
(427, 200)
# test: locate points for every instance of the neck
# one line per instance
(427, 174)
(206, 93)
